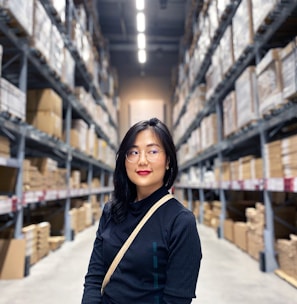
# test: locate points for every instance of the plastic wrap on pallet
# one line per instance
(56, 51)
(12, 100)
(245, 97)
(289, 72)
(242, 28)
(68, 69)
(229, 114)
(214, 73)
(22, 13)
(209, 133)
(269, 82)
(41, 40)
(227, 50)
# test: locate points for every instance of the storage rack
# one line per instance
(26, 68)
(274, 33)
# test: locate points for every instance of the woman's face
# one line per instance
(146, 163)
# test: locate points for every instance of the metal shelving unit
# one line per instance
(26, 69)
(270, 35)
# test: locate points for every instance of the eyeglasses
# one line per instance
(152, 155)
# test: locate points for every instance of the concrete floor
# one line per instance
(227, 276)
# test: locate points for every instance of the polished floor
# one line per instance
(227, 276)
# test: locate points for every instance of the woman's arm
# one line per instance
(184, 260)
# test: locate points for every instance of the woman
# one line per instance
(162, 264)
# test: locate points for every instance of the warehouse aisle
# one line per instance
(228, 276)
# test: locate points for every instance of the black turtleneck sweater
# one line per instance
(160, 267)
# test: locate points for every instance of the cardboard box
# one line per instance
(4, 146)
(46, 121)
(12, 258)
(287, 255)
(229, 230)
(240, 235)
(44, 100)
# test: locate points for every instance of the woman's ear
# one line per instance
(167, 164)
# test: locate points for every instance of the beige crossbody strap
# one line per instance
(130, 239)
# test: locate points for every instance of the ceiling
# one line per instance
(166, 21)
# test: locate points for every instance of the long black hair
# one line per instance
(124, 189)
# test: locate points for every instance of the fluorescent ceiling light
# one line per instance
(141, 56)
(140, 5)
(140, 18)
(141, 41)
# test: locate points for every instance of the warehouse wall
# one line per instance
(142, 88)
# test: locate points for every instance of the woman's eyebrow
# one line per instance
(148, 145)
(153, 145)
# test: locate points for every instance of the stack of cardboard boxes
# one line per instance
(287, 255)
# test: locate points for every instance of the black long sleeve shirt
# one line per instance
(160, 267)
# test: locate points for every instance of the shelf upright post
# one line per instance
(110, 180)
(190, 199)
(67, 222)
(220, 157)
(19, 187)
(21, 154)
(102, 183)
(90, 178)
(270, 262)
(201, 195)
(69, 14)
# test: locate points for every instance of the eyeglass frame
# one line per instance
(146, 154)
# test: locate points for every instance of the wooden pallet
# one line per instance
(275, 108)
(39, 55)
(10, 116)
(286, 277)
(247, 125)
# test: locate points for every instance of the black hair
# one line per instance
(124, 189)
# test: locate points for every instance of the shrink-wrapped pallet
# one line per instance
(243, 33)
(289, 72)
(230, 114)
(269, 82)
(245, 89)
(22, 13)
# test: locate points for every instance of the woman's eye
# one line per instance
(154, 151)
(133, 152)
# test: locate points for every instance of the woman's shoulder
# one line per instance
(180, 211)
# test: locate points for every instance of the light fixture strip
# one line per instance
(141, 56)
(140, 25)
(141, 41)
(140, 5)
(140, 18)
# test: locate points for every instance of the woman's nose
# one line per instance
(142, 157)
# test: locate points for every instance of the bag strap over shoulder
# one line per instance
(130, 239)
